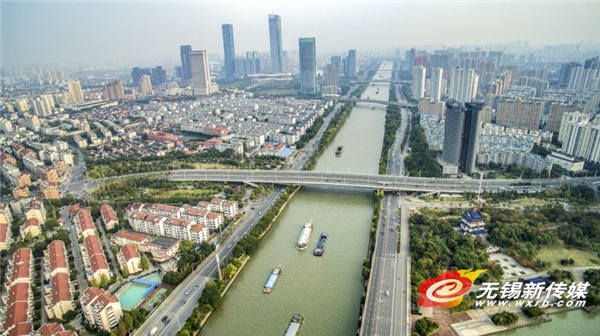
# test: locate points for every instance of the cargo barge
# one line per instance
(320, 249)
(302, 242)
(295, 325)
(272, 280)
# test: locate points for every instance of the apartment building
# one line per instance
(147, 223)
(199, 233)
(100, 308)
(94, 259)
(178, 228)
(214, 220)
(5, 221)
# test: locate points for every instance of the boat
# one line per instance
(373, 108)
(320, 249)
(304, 236)
(339, 150)
(295, 325)
(272, 280)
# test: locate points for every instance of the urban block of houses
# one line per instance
(161, 248)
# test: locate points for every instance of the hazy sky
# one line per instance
(48, 32)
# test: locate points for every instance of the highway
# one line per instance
(385, 307)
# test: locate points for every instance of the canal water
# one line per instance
(577, 322)
(325, 290)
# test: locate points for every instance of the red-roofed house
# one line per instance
(55, 259)
(59, 299)
(124, 237)
(84, 224)
(20, 267)
(129, 258)
(94, 259)
(5, 236)
(203, 205)
(101, 309)
(17, 319)
(178, 228)
(216, 204)
(108, 216)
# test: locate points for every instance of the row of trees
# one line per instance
(189, 258)
(131, 165)
(249, 244)
(421, 161)
(130, 321)
(393, 121)
(424, 327)
(366, 272)
(210, 299)
(593, 296)
(334, 126)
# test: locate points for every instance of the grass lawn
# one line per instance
(554, 255)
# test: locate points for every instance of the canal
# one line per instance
(325, 290)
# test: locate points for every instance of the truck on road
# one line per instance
(153, 331)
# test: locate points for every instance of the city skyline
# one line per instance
(117, 31)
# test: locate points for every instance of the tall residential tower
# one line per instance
(308, 66)
(186, 69)
(461, 130)
(276, 45)
(229, 49)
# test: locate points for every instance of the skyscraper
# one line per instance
(229, 49)
(351, 63)
(185, 61)
(308, 66)
(418, 83)
(332, 74)
(114, 90)
(200, 73)
(159, 76)
(276, 44)
(520, 113)
(461, 131)
(436, 83)
(137, 73)
(463, 84)
(565, 73)
(75, 90)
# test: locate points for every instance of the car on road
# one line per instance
(187, 292)
(164, 318)
(392, 229)
(183, 302)
(252, 208)
(196, 287)
(387, 293)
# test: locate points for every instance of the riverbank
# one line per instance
(332, 129)
(279, 213)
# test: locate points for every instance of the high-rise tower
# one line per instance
(229, 49)
(461, 131)
(276, 45)
(308, 66)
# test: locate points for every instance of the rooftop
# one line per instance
(165, 243)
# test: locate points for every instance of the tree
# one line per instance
(28, 237)
(532, 311)
(185, 246)
(125, 272)
(229, 271)
(425, 326)
(144, 264)
(211, 295)
(104, 281)
(505, 318)
(69, 315)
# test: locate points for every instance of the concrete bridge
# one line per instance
(367, 181)
(384, 102)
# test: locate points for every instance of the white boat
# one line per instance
(302, 242)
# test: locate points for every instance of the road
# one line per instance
(387, 298)
(79, 268)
